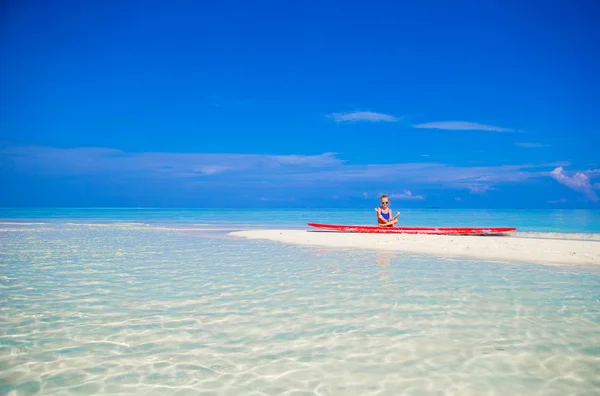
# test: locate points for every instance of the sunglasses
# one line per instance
(384, 203)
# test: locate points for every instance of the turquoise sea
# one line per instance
(152, 301)
(568, 221)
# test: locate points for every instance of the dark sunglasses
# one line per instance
(385, 203)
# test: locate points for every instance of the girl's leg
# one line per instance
(389, 223)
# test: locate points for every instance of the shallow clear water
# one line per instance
(132, 310)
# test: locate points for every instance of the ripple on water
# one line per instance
(109, 310)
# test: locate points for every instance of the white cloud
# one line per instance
(88, 160)
(211, 170)
(458, 199)
(557, 201)
(365, 195)
(406, 195)
(461, 126)
(531, 145)
(579, 182)
(362, 116)
(479, 189)
(258, 170)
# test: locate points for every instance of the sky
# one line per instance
(453, 104)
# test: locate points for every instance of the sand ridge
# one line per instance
(553, 251)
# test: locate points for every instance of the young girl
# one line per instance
(384, 213)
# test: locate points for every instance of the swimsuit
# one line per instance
(385, 215)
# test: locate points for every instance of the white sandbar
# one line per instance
(494, 248)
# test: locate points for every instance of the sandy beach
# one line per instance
(540, 249)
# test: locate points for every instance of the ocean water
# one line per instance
(165, 302)
(565, 221)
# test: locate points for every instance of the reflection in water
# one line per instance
(384, 259)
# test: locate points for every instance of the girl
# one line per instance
(384, 213)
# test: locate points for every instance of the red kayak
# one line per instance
(412, 230)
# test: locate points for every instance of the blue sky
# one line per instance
(265, 104)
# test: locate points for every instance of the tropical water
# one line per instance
(566, 221)
(166, 302)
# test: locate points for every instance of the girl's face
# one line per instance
(385, 202)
